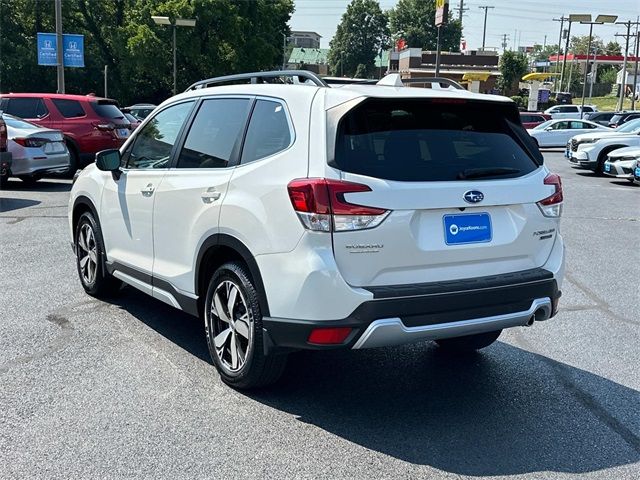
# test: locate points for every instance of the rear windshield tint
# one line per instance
(106, 110)
(429, 140)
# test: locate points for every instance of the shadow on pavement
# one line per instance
(180, 328)
(505, 411)
(10, 204)
(43, 185)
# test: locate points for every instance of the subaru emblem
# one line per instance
(473, 196)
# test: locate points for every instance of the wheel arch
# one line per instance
(217, 250)
(81, 205)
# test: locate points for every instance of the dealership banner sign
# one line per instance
(72, 50)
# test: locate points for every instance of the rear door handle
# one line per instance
(210, 195)
(148, 190)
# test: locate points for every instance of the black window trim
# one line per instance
(292, 130)
(126, 148)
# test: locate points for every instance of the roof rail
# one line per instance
(348, 81)
(261, 77)
(434, 80)
(395, 80)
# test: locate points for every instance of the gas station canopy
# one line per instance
(529, 77)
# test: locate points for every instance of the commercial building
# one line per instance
(305, 39)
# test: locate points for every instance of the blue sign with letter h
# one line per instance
(72, 50)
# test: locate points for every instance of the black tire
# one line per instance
(29, 179)
(255, 369)
(74, 160)
(101, 284)
(469, 343)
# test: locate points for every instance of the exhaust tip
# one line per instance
(531, 320)
(541, 314)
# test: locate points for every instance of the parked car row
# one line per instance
(614, 152)
(56, 133)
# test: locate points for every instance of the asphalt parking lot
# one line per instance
(125, 389)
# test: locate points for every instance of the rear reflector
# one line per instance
(329, 336)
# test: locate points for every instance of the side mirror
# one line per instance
(548, 129)
(108, 160)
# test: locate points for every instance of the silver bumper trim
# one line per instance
(391, 331)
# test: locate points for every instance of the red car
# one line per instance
(89, 123)
(533, 119)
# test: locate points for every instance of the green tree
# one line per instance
(513, 66)
(579, 45)
(613, 48)
(229, 37)
(414, 21)
(361, 34)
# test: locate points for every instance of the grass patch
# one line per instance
(606, 104)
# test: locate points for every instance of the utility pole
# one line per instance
(461, 9)
(59, 46)
(562, 19)
(623, 86)
(505, 42)
(484, 29)
(635, 72)
(564, 59)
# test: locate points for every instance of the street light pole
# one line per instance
(586, 20)
(59, 46)
(178, 22)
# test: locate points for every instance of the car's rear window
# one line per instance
(433, 140)
(106, 110)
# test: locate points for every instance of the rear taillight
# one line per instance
(321, 206)
(3, 135)
(552, 205)
(31, 142)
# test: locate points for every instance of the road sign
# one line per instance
(442, 12)
(72, 50)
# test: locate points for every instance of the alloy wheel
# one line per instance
(232, 326)
(87, 254)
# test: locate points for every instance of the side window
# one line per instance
(268, 131)
(527, 118)
(154, 142)
(215, 134)
(588, 109)
(68, 108)
(26, 108)
(560, 126)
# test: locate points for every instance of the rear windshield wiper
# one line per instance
(486, 172)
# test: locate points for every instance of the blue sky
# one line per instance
(529, 20)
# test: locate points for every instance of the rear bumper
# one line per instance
(408, 313)
(40, 166)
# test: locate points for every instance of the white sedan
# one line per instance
(556, 133)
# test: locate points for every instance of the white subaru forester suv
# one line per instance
(292, 215)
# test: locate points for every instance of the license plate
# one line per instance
(607, 167)
(467, 228)
(123, 132)
(53, 147)
(637, 172)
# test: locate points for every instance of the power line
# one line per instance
(484, 30)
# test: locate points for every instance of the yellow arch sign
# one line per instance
(529, 77)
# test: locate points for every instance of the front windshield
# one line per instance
(630, 127)
(543, 125)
